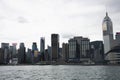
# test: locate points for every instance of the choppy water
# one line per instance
(61, 72)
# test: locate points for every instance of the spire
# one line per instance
(106, 13)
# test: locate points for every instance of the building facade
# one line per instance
(85, 48)
(5, 47)
(22, 53)
(113, 56)
(65, 51)
(55, 46)
(35, 52)
(117, 37)
(1, 56)
(73, 49)
(42, 48)
(97, 54)
(107, 28)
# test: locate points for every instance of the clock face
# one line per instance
(104, 27)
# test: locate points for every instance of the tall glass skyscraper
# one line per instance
(107, 28)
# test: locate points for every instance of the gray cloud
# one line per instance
(81, 17)
(22, 20)
(67, 35)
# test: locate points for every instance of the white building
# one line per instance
(107, 33)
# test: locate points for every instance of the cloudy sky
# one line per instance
(28, 20)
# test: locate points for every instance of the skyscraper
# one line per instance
(5, 47)
(79, 42)
(21, 54)
(107, 28)
(55, 46)
(35, 52)
(73, 49)
(34, 46)
(1, 56)
(14, 55)
(85, 48)
(42, 48)
(65, 51)
(97, 54)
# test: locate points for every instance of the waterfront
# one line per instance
(59, 72)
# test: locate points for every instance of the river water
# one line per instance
(59, 72)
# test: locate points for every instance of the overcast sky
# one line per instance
(28, 20)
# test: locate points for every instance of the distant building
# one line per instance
(22, 53)
(65, 51)
(79, 46)
(73, 49)
(117, 36)
(107, 28)
(1, 56)
(97, 54)
(34, 46)
(46, 55)
(60, 54)
(113, 56)
(85, 48)
(14, 54)
(35, 52)
(5, 47)
(42, 48)
(55, 46)
(29, 56)
(49, 53)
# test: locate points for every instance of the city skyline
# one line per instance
(27, 21)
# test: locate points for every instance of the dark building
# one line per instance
(42, 48)
(73, 50)
(5, 47)
(49, 53)
(22, 54)
(117, 36)
(79, 49)
(35, 52)
(34, 46)
(79, 46)
(29, 56)
(85, 48)
(46, 55)
(65, 51)
(55, 46)
(97, 54)
(1, 56)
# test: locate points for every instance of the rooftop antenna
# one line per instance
(106, 11)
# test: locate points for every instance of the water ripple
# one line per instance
(62, 72)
